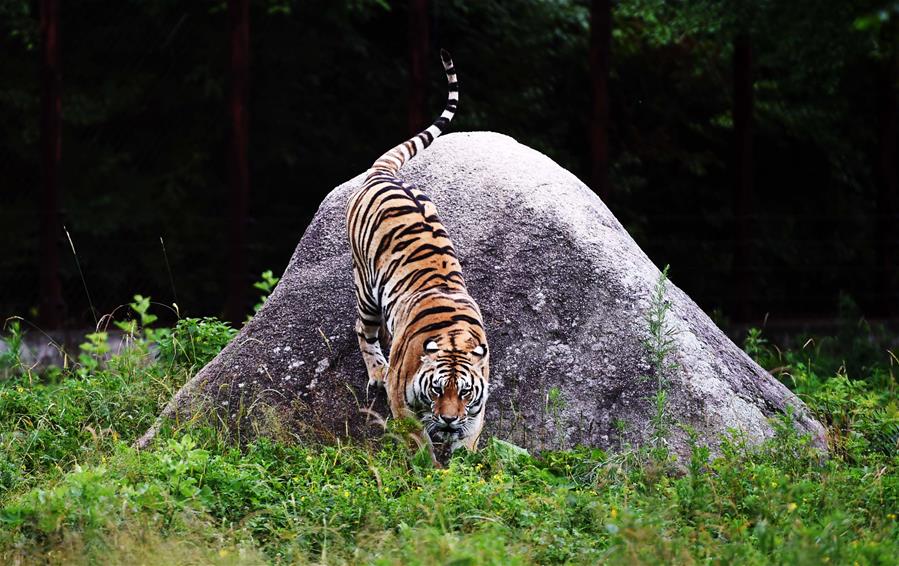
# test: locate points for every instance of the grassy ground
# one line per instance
(73, 491)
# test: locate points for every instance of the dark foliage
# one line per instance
(145, 134)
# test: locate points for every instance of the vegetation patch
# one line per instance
(73, 490)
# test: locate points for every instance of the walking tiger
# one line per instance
(408, 281)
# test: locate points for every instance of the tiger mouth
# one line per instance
(446, 430)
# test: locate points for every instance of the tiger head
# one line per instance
(451, 384)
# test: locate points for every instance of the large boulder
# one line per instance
(566, 296)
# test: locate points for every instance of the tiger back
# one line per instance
(409, 282)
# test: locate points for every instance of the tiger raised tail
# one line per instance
(408, 281)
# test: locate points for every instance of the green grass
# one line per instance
(73, 491)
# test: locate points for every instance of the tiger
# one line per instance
(408, 283)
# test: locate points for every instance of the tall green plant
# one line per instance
(659, 346)
(266, 285)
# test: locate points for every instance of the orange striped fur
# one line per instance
(409, 282)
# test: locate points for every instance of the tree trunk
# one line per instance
(887, 190)
(743, 181)
(600, 56)
(239, 181)
(52, 307)
(419, 44)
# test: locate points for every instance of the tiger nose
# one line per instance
(448, 419)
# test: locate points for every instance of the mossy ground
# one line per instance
(72, 490)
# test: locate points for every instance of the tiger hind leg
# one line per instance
(370, 346)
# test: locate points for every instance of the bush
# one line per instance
(194, 342)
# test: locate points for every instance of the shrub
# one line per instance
(194, 342)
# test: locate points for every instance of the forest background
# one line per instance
(186, 145)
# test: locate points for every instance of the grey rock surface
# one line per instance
(565, 293)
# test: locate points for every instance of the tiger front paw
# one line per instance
(377, 375)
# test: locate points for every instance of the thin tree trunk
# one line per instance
(600, 57)
(239, 17)
(419, 44)
(52, 307)
(887, 187)
(743, 178)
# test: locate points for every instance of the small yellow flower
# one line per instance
(774, 484)
(613, 513)
(346, 493)
(223, 553)
(791, 507)
(891, 516)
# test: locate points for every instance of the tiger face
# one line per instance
(450, 386)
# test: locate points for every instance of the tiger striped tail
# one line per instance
(395, 158)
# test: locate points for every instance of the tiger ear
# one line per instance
(431, 347)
